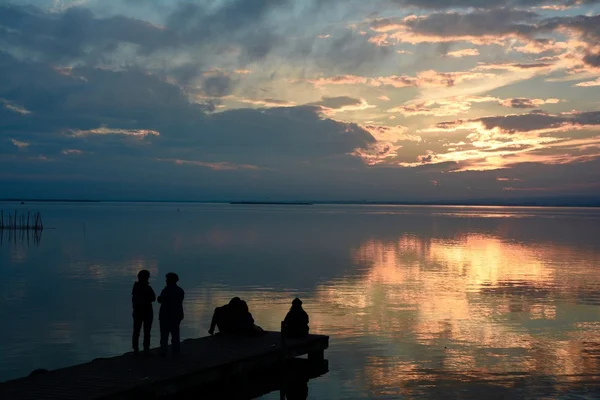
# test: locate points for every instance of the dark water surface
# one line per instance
(437, 302)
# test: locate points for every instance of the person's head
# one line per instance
(172, 278)
(234, 301)
(143, 275)
(297, 302)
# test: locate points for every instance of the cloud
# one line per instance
(527, 103)
(75, 152)
(333, 105)
(217, 84)
(428, 78)
(15, 108)
(391, 134)
(19, 144)
(498, 142)
(377, 153)
(593, 83)
(114, 131)
(215, 166)
(442, 107)
(483, 4)
(266, 102)
(479, 26)
(463, 53)
(537, 121)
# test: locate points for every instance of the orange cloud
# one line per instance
(463, 53)
(390, 133)
(593, 83)
(377, 153)
(442, 107)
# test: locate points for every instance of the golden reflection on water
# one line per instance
(474, 305)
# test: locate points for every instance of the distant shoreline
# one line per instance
(270, 203)
(592, 203)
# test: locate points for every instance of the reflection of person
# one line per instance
(171, 313)
(142, 297)
(296, 320)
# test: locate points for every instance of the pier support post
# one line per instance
(317, 355)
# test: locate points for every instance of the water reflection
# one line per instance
(419, 301)
(474, 307)
(21, 237)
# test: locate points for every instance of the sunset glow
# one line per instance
(302, 95)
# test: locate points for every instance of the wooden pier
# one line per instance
(204, 361)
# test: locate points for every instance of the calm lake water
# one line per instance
(452, 302)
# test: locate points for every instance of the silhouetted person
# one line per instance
(171, 313)
(142, 297)
(234, 318)
(296, 320)
(243, 322)
(223, 317)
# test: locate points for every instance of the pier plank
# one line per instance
(203, 361)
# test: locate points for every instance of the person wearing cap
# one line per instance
(296, 321)
(142, 297)
(171, 313)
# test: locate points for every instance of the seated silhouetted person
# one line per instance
(142, 297)
(223, 317)
(171, 313)
(296, 321)
(233, 318)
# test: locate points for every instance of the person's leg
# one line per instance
(175, 339)
(147, 331)
(164, 336)
(137, 326)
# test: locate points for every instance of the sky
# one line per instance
(380, 100)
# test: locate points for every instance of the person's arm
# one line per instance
(133, 295)
(161, 298)
(213, 322)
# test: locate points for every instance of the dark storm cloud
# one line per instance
(75, 34)
(217, 85)
(139, 115)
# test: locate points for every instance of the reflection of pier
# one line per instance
(212, 363)
(21, 222)
(28, 237)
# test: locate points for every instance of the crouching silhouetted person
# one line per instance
(223, 317)
(234, 318)
(142, 297)
(296, 321)
(171, 313)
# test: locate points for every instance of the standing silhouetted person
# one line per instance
(142, 297)
(296, 320)
(171, 313)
